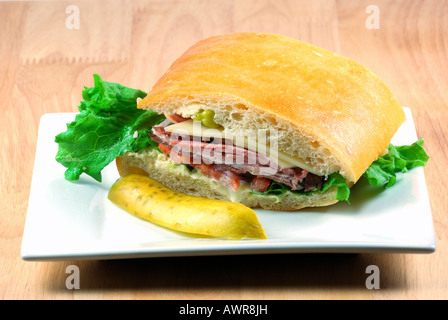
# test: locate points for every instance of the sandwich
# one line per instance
(260, 119)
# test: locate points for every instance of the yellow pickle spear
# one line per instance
(152, 201)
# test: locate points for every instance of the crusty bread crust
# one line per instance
(329, 110)
(160, 167)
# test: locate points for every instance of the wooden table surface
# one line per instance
(45, 62)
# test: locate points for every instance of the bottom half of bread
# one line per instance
(181, 178)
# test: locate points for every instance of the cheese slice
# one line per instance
(250, 142)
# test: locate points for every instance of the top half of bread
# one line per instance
(329, 110)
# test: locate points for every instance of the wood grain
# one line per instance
(44, 66)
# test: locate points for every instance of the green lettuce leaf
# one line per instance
(334, 180)
(382, 172)
(108, 125)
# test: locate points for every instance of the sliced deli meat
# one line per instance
(231, 164)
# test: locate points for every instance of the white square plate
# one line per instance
(75, 220)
